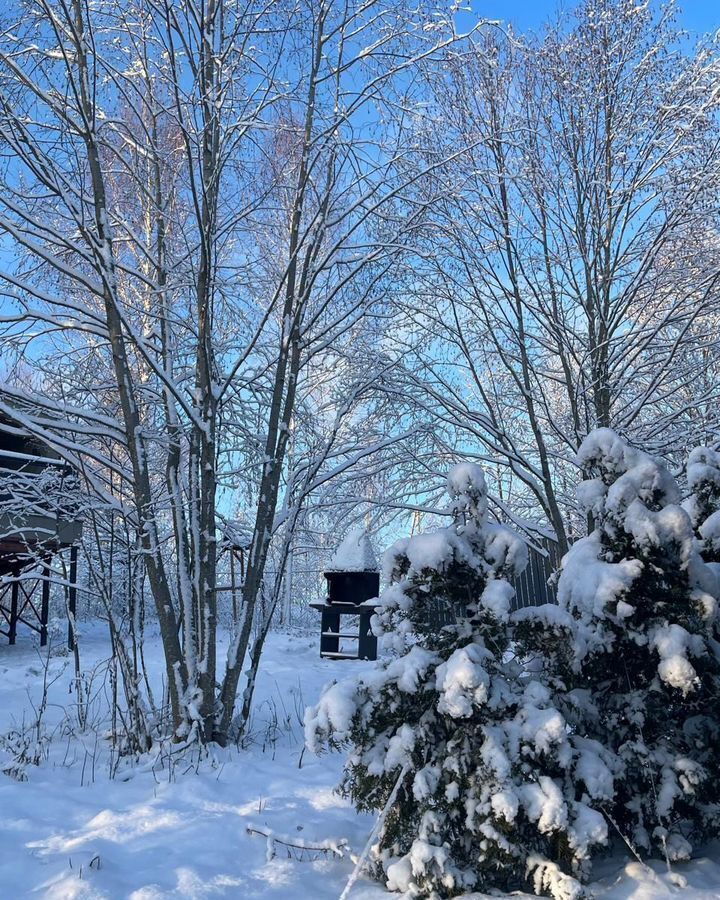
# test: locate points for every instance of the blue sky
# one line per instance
(697, 16)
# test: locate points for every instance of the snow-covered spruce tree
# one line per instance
(465, 759)
(703, 504)
(630, 652)
(703, 507)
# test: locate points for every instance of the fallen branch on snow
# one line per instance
(339, 847)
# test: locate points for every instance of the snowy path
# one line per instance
(155, 838)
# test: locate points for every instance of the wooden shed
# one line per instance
(353, 583)
(38, 519)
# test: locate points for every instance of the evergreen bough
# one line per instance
(703, 504)
(703, 507)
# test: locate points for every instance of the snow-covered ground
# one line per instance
(152, 832)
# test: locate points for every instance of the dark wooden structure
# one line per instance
(533, 587)
(350, 596)
(38, 520)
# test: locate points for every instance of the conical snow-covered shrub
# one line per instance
(629, 649)
(463, 755)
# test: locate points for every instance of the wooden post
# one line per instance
(233, 586)
(367, 642)
(72, 598)
(45, 608)
(330, 626)
(287, 611)
(13, 611)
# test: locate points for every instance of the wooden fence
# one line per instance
(532, 588)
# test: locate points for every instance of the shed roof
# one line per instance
(355, 554)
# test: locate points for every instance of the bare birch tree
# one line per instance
(190, 219)
(573, 277)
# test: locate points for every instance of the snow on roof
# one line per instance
(355, 554)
